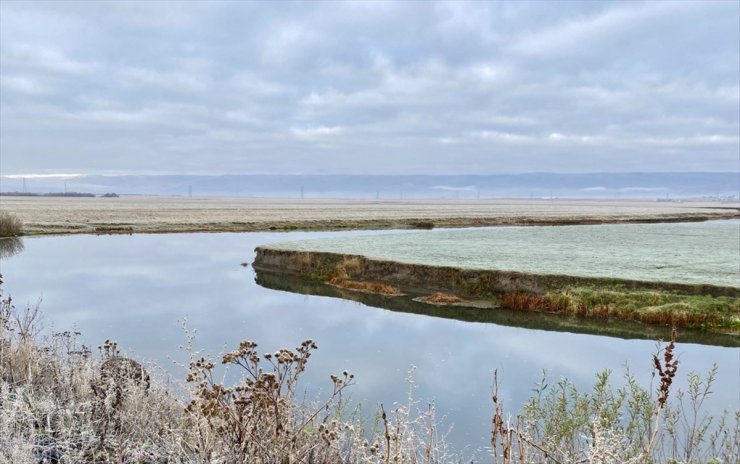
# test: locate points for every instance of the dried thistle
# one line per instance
(667, 371)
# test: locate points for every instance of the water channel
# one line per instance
(136, 290)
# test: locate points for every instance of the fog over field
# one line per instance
(645, 185)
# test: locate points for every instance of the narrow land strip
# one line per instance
(709, 308)
(133, 214)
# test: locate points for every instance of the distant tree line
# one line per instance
(57, 194)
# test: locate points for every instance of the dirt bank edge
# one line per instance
(516, 290)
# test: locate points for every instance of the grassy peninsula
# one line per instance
(143, 214)
(701, 307)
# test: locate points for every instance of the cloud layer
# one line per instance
(373, 88)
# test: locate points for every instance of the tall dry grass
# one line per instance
(62, 402)
(648, 307)
(10, 224)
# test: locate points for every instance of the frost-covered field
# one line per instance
(163, 214)
(705, 252)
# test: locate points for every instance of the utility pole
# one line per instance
(24, 185)
(65, 187)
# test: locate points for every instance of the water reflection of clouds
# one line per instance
(135, 289)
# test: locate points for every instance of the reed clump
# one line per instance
(720, 313)
(341, 275)
(363, 286)
(441, 298)
(10, 225)
(346, 269)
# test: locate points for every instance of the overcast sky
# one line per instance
(372, 88)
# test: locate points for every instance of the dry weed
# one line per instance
(441, 298)
(368, 287)
(10, 224)
(61, 403)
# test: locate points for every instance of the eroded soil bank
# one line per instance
(413, 304)
(710, 308)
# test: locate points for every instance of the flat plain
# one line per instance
(139, 214)
(689, 253)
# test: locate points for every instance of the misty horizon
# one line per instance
(526, 185)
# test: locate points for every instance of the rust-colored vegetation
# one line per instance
(441, 298)
(369, 287)
(648, 307)
(704, 308)
(343, 273)
(530, 302)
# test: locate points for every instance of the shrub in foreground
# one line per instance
(60, 403)
(561, 424)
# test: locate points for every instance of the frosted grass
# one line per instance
(695, 253)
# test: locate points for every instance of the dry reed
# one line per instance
(10, 225)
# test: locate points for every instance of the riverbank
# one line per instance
(134, 214)
(487, 313)
(711, 308)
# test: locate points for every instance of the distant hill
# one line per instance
(536, 185)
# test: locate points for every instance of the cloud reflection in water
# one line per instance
(134, 289)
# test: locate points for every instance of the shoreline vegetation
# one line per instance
(482, 312)
(707, 308)
(60, 402)
(10, 225)
(129, 215)
(359, 224)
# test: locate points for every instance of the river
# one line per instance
(136, 290)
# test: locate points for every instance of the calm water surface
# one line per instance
(135, 289)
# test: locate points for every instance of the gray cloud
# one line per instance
(370, 87)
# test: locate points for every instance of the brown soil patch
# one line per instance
(369, 287)
(441, 299)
